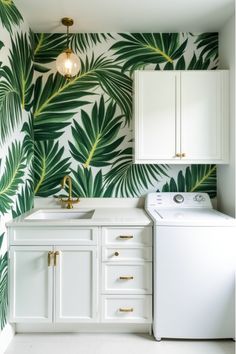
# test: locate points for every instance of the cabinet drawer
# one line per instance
(126, 254)
(135, 309)
(47, 236)
(125, 278)
(135, 236)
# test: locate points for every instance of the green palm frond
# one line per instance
(12, 176)
(3, 290)
(96, 142)
(87, 185)
(127, 179)
(55, 103)
(197, 178)
(1, 239)
(9, 14)
(1, 45)
(194, 64)
(140, 49)
(25, 199)
(47, 47)
(16, 85)
(49, 167)
(81, 42)
(28, 142)
(58, 100)
(209, 42)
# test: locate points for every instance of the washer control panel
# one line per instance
(178, 200)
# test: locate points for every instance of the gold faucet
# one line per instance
(69, 201)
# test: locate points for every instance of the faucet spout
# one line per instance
(69, 182)
(69, 201)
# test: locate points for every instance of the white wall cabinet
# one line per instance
(181, 116)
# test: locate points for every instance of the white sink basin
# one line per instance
(48, 214)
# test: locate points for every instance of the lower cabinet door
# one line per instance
(31, 283)
(76, 284)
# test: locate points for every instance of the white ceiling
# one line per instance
(127, 15)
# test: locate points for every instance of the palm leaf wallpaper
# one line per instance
(16, 129)
(86, 122)
(50, 127)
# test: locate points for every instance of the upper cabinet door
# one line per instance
(76, 284)
(31, 284)
(203, 116)
(156, 114)
(181, 117)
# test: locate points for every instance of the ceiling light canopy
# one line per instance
(67, 63)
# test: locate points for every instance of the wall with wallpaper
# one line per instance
(83, 126)
(16, 129)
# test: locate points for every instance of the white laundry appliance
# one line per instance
(194, 267)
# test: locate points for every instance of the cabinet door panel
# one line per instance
(76, 284)
(31, 284)
(201, 111)
(156, 115)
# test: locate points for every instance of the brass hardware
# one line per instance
(49, 258)
(178, 154)
(126, 309)
(116, 254)
(126, 237)
(55, 258)
(67, 21)
(69, 201)
(127, 277)
(183, 154)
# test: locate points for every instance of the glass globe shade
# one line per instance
(68, 64)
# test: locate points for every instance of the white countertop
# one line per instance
(113, 216)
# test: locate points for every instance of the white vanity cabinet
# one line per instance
(55, 283)
(72, 275)
(181, 116)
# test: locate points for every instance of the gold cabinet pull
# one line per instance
(183, 154)
(49, 258)
(126, 237)
(178, 154)
(126, 309)
(55, 258)
(126, 277)
(116, 254)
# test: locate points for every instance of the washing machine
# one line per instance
(194, 267)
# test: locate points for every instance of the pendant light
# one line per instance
(67, 63)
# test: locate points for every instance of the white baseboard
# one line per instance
(6, 336)
(82, 328)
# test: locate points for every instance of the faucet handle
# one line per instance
(69, 202)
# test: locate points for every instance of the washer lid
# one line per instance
(191, 216)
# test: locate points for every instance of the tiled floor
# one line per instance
(112, 344)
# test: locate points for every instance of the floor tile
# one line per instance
(112, 344)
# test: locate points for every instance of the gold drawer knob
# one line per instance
(116, 254)
(126, 237)
(127, 277)
(178, 154)
(126, 309)
(183, 154)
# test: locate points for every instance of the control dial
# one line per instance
(178, 198)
